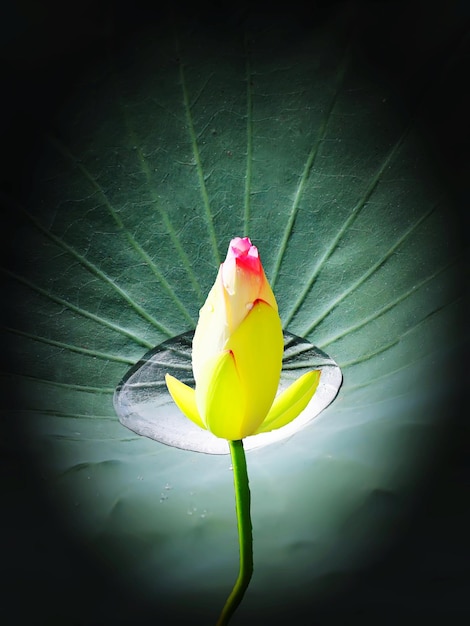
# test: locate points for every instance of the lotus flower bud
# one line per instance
(237, 355)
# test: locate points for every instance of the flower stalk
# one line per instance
(245, 536)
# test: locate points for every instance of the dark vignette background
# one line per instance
(44, 47)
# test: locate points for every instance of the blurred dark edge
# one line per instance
(48, 577)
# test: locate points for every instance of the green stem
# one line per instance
(245, 538)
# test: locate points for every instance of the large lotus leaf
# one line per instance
(178, 138)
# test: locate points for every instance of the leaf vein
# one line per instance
(249, 141)
(55, 383)
(96, 271)
(197, 158)
(362, 279)
(389, 306)
(72, 348)
(309, 163)
(72, 307)
(119, 222)
(347, 224)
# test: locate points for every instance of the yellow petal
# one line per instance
(257, 346)
(185, 399)
(291, 402)
(211, 332)
(244, 288)
(266, 292)
(240, 283)
(221, 398)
